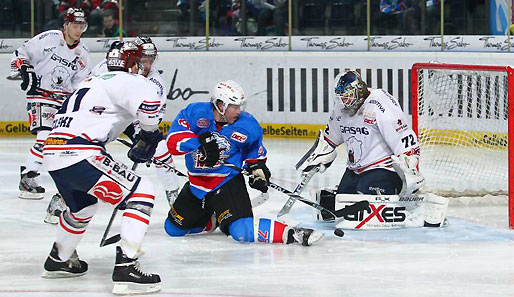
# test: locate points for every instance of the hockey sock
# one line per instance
(71, 228)
(35, 156)
(257, 229)
(134, 222)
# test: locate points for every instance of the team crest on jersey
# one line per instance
(203, 123)
(239, 137)
(223, 148)
(97, 110)
(59, 77)
(354, 147)
(183, 123)
(401, 126)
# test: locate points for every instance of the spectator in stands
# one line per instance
(271, 10)
(111, 28)
(398, 17)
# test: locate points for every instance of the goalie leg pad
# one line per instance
(435, 210)
(327, 199)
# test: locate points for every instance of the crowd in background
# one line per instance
(251, 17)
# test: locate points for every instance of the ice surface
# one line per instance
(473, 256)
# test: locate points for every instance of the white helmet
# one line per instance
(228, 92)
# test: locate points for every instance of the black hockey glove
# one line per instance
(260, 176)
(29, 78)
(209, 149)
(131, 133)
(144, 149)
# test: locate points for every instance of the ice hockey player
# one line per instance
(83, 172)
(382, 149)
(55, 61)
(212, 134)
(168, 178)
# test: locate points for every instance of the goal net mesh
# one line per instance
(462, 121)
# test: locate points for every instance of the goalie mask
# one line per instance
(123, 56)
(76, 16)
(228, 92)
(350, 91)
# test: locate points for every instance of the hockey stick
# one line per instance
(113, 239)
(291, 200)
(255, 201)
(53, 95)
(361, 205)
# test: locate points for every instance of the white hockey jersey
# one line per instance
(153, 76)
(96, 114)
(59, 68)
(378, 130)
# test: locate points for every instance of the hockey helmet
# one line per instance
(350, 91)
(149, 48)
(76, 15)
(228, 92)
(122, 56)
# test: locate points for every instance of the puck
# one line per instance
(339, 232)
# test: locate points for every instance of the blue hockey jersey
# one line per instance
(239, 143)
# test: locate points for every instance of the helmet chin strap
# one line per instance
(221, 113)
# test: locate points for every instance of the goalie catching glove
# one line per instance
(259, 179)
(321, 155)
(144, 149)
(406, 167)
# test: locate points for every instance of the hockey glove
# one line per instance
(260, 176)
(144, 149)
(209, 149)
(29, 78)
(322, 154)
(406, 167)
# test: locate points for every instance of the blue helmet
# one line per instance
(350, 91)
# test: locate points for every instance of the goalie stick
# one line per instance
(281, 215)
(361, 205)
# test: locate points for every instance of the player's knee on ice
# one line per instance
(242, 230)
(175, 231)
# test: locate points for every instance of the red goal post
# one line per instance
(464, 118)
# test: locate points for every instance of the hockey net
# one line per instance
(461, 115)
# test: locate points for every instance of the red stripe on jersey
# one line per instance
(142, 195)
(152, 102)
(87, 137)
(362, 169)
(136, 217)
(68, 229)
(162, 156)
(62, 134)
(148, 112)
(40, 140)
(249, 161)
(330, 142)
(206, 182)
(71, 148)
(175, 138)
(36, 154)
(278, 232)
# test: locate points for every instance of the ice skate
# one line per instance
(29, 189)
(303, 236)
(54, 209)
(57, 268)
(129, 279)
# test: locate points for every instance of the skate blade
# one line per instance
(51, 219)
(128, 288)
(315, 236)
(60, 274)
(31, 196)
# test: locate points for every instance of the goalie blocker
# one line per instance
(385, 211)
